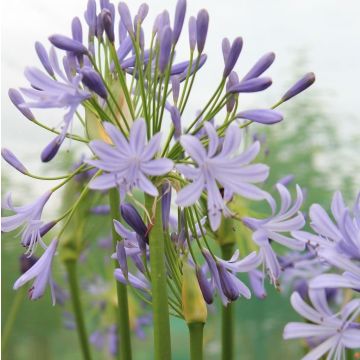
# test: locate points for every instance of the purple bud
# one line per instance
(121, 257)
(124, 48)
(225, 46)
(262, 116)
(233, 56)
(175, 87)
(26, 262)
(260, 66)
(165, 48)
(122, 32)
(192, 33)
(51, 149)
(141, 14)
(252, 85)
(165, 204)
(133, 219)
(126, 17)
(76, 29)
(65, 43)
(44, 58)
(228, 286)
(90, 17)
(286, 180)
(306, 81)
(17, 99)
(206, 289)
(12, 160)
(99, 27)
(179, 20)
(107, 23)
(202, 24)
(176, 119)
(165, 19)
(202, 61)
(93, 81)
(232, 80)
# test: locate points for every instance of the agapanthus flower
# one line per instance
(337, 242)
(332, 333)
(128, 163)
(231, 170)
(223, 276)
(276, 227)
(28, 216)
(41, 272)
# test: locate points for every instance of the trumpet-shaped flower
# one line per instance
(41, 272)
(128, 163)
(332, 333)
(275, 227)
(231, 170)
(28, 216)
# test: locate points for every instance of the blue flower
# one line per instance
(288, 219)
(225, 167)
(41, 272)
(128, 163)
(332, 333)
(28, 216)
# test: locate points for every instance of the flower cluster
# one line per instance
(124, 88)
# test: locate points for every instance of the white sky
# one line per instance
(325, 32)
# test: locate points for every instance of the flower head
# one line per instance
(128, 163)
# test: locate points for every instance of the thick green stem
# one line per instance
(123, 308)
(78, 311)
(196, 340)
(227, 316)
(10, 320)
(162, 342)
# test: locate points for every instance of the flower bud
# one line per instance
(165, 48)
(306, 81)
(17, 99)
(51, 149)
(233, 56)
(93, 81)
(108, 25)
(252, 85)
(175, 87)
(262, 116)
(176, 120)
(126, 17)
(65, 43)
(121, 257)
(260, 66)
(194, 306)
(133, 219)
(225, 47)
(202, 24)
(76, 29)
(228, 285)
(12, 160)
(192, 33)
(90, 17)
(179, 20)
(44, 58)
(205, 286)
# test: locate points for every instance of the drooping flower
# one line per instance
(275, 228)
(128, 163)
(223, 276)
(232, 171)
(332, 333)
(41, 271)
(28, 216)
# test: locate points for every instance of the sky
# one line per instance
(323, 33)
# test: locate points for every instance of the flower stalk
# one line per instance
(162, 342)
(121, 290)
(196, 340)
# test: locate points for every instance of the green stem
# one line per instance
(196, 340)
(227, 315)
(77, 306)
(10, 320)
(162, 342)
(123, 308)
